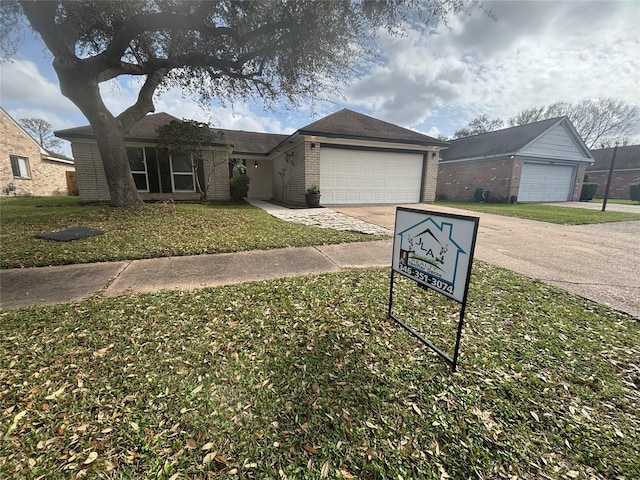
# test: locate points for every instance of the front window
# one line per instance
(182, 175)
(138, 164)
(20, 166)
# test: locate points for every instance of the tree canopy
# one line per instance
(478, 125)
(276, 50)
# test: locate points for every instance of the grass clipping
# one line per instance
(306, 378)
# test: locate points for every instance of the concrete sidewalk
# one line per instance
(23, 287)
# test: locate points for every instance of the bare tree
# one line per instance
(42, 132)
(479, 125)
(278, 50)
(601, 123)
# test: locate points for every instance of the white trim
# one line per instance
(138, 172)
(184, 174)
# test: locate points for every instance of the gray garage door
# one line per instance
(542, 182)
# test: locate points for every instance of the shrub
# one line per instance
(239, 186)
(634, 192)
(588, 191)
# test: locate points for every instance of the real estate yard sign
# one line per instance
(436, 251)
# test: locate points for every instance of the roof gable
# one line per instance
(560, 141)
(346, 123)
(627, 158)
(507, 141)
(26, 134)
(44, 153)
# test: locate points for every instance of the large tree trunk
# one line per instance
(79, 82)
(122, 187)
(84, 91)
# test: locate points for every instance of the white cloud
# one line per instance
(535, 53)
(22, 82)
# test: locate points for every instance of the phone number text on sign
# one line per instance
(427, 279)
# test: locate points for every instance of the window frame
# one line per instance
(16, 167)
(140, 172)
(183, 174)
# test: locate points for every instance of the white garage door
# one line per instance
(359, 176)
(541, 182)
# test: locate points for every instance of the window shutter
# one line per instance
(15, 167)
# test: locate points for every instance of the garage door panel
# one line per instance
(541, 182)
(366, 183)
(356, 176)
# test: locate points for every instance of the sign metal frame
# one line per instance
(435, 250)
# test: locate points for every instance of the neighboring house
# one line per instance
(353, 158)
(540, 162)
(26, 168)
(626, 170)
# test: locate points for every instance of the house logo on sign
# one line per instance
(428, 247)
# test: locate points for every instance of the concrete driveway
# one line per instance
(598, 262)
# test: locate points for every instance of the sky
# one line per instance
(532, 53)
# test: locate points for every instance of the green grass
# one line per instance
(620, 201)
(155, 230)
(306, 378)
(545, 213)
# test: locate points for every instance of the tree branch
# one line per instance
(144, 103)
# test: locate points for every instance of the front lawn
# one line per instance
(545, 213)
(155, 230)
(620, 201)
(305, 378)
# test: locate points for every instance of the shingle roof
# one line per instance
(145, 129)
(501, 142)
(626, 158)
(252, 142)
(346, 123)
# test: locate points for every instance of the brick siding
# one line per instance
(92, 182)
(46, 178)
(430, 177)
(459, 180)
(289, 179)
(620, 182)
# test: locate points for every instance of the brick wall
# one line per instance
(620, 182)
(430, 177)
(92, 182)
(46, 177)
(312, 164)
(289, 180)
(577, 187)
(216, 174)
(459, 180)
(90, 177)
